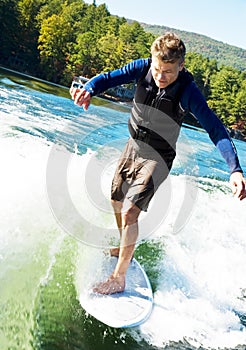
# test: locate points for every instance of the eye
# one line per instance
(155, 68)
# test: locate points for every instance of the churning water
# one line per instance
(57, 162)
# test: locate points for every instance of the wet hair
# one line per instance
(168, 48)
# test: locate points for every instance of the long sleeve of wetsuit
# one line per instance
(131, 72)
(193, 100)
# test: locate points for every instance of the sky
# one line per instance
(223, 20)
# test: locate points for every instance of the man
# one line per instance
(165, 92)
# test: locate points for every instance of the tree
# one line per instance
(135, 39)
(226, 94)
(202, 68)
(57, 39)
(240, 106)
(86, 54)
(10, 30)
(28, 47)
(107, 48)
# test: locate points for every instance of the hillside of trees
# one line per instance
(57, 39)
(224, 54)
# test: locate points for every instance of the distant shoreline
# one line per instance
(234, 133)
(28, 76)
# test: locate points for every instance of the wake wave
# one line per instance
(192, 241)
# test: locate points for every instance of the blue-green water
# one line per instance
(57, 163)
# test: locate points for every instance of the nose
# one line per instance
(161, 76)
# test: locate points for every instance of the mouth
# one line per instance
(161, 82)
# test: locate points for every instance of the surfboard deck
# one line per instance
(120, 310)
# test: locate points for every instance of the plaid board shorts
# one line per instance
(139, 173)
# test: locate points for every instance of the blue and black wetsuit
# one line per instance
(182, 95)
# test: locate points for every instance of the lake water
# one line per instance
(57, 162)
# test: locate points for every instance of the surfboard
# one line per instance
(120, 310)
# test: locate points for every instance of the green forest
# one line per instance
(224, 54)
(58, 39)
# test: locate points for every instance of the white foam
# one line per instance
(25, 215)
(203, 270)
(203, 274)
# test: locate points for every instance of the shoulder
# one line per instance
(185, 77)
(141, 62)
(185, 82)
(192, 95)
(133, 70)
(138, 66)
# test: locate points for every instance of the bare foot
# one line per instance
(111, 285)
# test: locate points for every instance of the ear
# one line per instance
(181, 66)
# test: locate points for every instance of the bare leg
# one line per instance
(116, 282)
(117, 206)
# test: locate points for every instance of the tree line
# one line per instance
(225, 54)
(57, 39)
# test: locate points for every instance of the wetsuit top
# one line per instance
(191, 100)
(156, 115)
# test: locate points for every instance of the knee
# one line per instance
(117, 206)
(130, 216)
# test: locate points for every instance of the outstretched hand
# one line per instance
(238, 185)
(81, 97)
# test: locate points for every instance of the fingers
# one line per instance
(239, 191)
(238, 185)
(77, 94)
(242, 192)
(86, 105)
(81, 97)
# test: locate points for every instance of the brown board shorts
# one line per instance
(139, 173)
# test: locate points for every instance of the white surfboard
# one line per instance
(120, 310)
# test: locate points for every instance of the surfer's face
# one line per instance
(164, 73)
